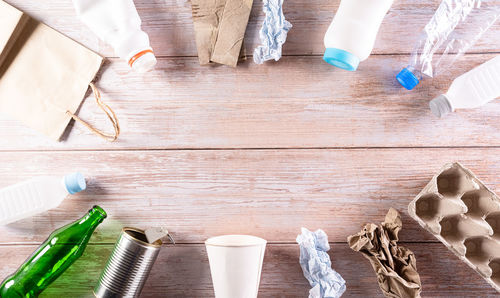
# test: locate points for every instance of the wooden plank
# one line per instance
(300, 102)
(183, 271)
(169, 24)
(270, 193)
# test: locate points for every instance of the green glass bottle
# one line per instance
(63, 247)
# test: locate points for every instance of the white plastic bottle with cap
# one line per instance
(37, 195)
(352, 33)
(117, 23)
(470, 90)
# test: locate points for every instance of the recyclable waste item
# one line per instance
(118, 24)
(11, 23)
(317, 267)
(470, 90)
(462, 213)
(352, 33)
(220, 27)
(453, 29)
(394, 265)
(273, 32)
(206, 19)
(45, 75)
(130, 262)
(235, 265)
(37, 195)
(156, 233)
(56, 254)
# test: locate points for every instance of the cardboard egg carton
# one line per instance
(460, 211)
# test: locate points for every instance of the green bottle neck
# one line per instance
(94, 217)
(84, 226)
(80, 231)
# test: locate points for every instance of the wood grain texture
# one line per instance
(298, 102)
(183, 271)
(169, 25)
(350, 170)
(269, 193)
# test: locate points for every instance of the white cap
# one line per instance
(143, 63)
(134, 47)
(440, 106)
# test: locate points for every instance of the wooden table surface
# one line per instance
(257, 149)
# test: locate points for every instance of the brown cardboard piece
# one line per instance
(462, 213)
(44, 75)
(394, 265)
(206, 18)
(220, 27)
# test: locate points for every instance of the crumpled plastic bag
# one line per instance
(395, 266)
(317, 267)
(273, 32)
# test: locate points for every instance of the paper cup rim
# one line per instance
(235, 241)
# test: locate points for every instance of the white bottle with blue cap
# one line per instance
(352, 33)
(37, 195)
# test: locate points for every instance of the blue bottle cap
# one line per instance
(407, 79)
(74, 183)
(341, 59)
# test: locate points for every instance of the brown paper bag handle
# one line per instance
(109, 112)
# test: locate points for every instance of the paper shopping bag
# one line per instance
(11, 23)
(44, 75)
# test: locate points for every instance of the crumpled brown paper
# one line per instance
(395, 266)
(220, 27)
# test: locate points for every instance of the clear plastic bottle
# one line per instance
(454, 28)
(37, 195)
(470, 90)
(117, 23)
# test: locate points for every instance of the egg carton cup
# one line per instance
(460, 211)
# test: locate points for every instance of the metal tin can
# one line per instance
(129, 265)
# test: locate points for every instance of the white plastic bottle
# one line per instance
(117, 23)
(37, 195)
(352, 33)
(470, 90)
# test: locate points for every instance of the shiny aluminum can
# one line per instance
(129, 265)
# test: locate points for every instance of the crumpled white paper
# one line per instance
(273, 32)
(317, 267)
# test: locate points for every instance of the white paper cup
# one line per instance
(235, 265)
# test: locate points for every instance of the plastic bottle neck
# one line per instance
(74, 183)
(409, 77)
(143, 61)
(440, 106)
